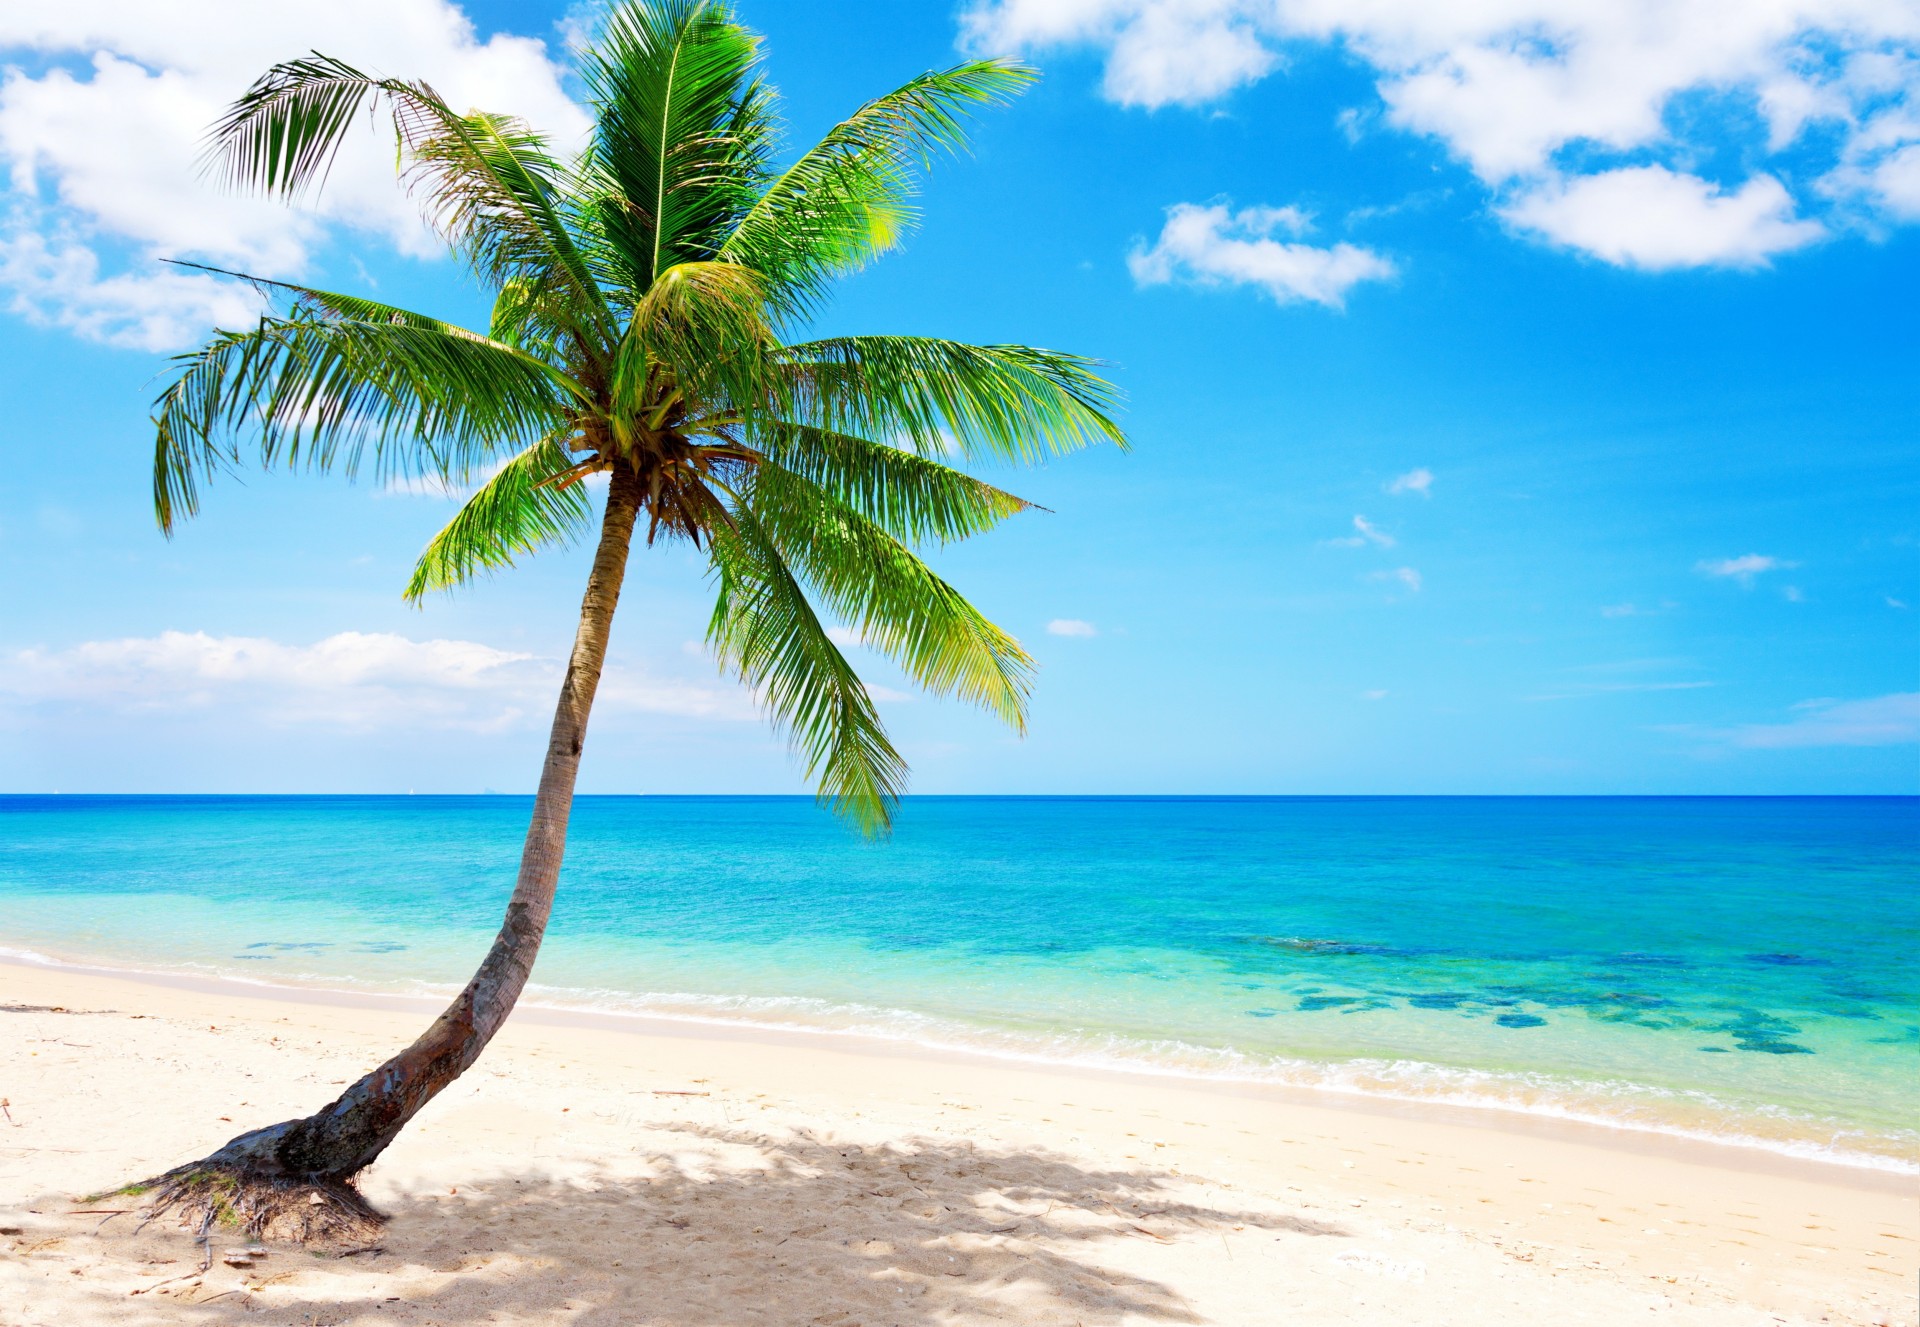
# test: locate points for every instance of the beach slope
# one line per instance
(602, 1172)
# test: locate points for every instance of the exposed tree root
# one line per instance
(318, 1212)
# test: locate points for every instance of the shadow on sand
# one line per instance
(742, 1229)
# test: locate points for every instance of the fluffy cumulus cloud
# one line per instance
(104, 105)
(353, 680)
(1653, 218)
(1210, 244)
(1588, 120)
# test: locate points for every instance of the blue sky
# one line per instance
(1523, 400)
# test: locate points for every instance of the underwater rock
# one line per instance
(1520, 1021)
(1313, 1002)
(1769, 1046)
(1304, 946)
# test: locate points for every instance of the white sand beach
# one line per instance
(613, 1171)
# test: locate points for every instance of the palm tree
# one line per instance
(641, 290)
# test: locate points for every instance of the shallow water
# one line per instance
(1730, 967)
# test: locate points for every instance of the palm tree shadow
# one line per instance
(796, 1230)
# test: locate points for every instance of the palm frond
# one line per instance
(535, 500)
(889, 596)
(407, 395)
(846, 200)
(676, 151)
(764, 630)
(490, 185)
(701, 324)
(999, 402)
(910, 496)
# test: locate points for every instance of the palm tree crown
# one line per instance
(645, 292)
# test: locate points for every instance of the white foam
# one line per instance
(1612, 1104)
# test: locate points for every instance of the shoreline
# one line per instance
(1866, 1171)
(588, 1163)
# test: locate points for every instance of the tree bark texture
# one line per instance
(337, 1142)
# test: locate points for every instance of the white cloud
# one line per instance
(1651, 218)
(1584, 690)
(1405, 576)
(1368, 533)
(1414, 481)
(1880, 721)
(1373, 695)
(1535, 96)
(1637, 610)
(1793, 594)
(104, 105)
(1211, 245)
(353, 680)
(1071, 626)
(1742, 569)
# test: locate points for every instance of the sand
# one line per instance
(595, 1172)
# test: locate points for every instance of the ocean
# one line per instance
(1740, 969)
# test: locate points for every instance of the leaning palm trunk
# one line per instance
(644, 292)
(295, 1179)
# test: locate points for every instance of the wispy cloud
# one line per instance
(1418, 480)
(1376, 694)
(352, 680)
(1212, 245)
(1622, 677)
(1742, 569)
(1891, 720)
(1404, 576)
(1631, 609)
(1366, 532)
(1071, 626)
(1584, 690)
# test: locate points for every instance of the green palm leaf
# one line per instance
(907, 495)
(490, 184)
(404, 396)
(889, 596)
(673, 160)
(1010, 403)
(766, 633)
(845, 201)
(535, 500)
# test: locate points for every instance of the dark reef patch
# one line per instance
(1520, 1021)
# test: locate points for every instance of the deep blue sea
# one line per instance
(1742, 968)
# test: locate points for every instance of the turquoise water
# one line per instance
(1741, 968)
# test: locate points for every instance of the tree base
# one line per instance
(259, 1204)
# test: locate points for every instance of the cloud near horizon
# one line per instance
(351, 680)
(1891, 720)
(1556, 107)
